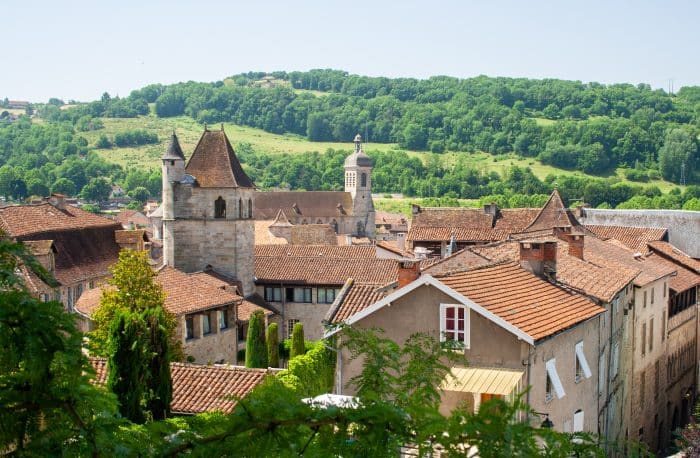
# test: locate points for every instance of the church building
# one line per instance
(208, 211)
(348, 212)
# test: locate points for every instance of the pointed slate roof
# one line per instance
(214, 163)
(553, 214)
(174, 152)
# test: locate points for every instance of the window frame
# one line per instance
(269, 293)
(553, 377)
(189, 328)
(465, 341)
(222, 318)
(325, 291)
(304, 293)
(206, 330)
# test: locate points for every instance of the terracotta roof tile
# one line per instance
(535, 306)
(435, 233)
(353, 299)
(302, 204)
(668, 251)
(23, 220)
(214, 163)
(393, 219)
(509, 220)
(635, 238)
(590, 278)
(198, 389)
(184, 293)
(127, 216)
(554, 213)
(130, 237)
(392, 246)
(684, 279)
(246, 309)
(263, 236)
(461, 260)
(312, 251)
(313, 234)
(324, 271)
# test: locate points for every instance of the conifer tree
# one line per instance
(298, 347)
(128, 364)
(159, 382)
(256, 349)
(273, 348)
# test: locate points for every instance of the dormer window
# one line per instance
(220, 208)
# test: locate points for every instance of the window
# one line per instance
(69, 298)
(553, 384)
(273, 294)
(652, 295)
(656, 379)
(578, 421)
(220, 208)
(189, 327)
(302, 294)
(645, 298)
(326, 295)
(223, 319)
(363, 180)
(582, 368)
(46, 298)
(664, 289)
(663, 326)
(91, 284)
(643, 339)
(290, 327)
(642, 388)
(250, 208)
(240, 208)
(206, 324)
(615, 357)
(349, 179)
(454, 324)
(651, 334)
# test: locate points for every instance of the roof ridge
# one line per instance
(475, 268)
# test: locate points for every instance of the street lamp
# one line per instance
(547, 423)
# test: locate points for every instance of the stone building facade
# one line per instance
(348, 212)
(208, 210)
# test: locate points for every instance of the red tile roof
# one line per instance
(214, 163)
(392, 246)
(635, 238)
(592, 279)
(353, 298)
(130, 237)
(184, 293)
(326, 251)
(435, 233)
(554, 213)
(668, 251)
(313, 234)
(302, 204)
(198, 389)
(533, 305)
(263, 236)
(323, 271)
(23, 220)
(683, 280)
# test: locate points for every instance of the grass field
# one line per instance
(189, 131)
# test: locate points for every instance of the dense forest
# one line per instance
(590, 127)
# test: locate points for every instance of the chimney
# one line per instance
(576, 243)
(415, 209)
(539, 258)
(409, 270)
(401, 241)
(574, 240)
(491, 209)
(58, 201)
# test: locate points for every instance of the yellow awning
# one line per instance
(482, 380)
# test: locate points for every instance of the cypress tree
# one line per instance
(128, 364)
(298, 347)
(273, 348)
(255, 347)
(159, 382)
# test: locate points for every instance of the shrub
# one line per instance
(298, 347)
(312, 373)
(256, 349)
(272, 339)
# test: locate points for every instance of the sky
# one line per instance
(80, 49)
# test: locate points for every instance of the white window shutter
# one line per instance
(578, 421)
(582, 360)
(554, 377)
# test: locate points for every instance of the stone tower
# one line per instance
(358, 182)
(208, 210)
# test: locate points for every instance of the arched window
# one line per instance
(360, 229)
(363, 180)
(220, 208)
(240, 208)
(250, 208)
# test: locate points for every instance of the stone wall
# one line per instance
(683, 226)
(220, 345)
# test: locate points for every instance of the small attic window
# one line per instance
(220, 208)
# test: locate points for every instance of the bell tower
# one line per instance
(358, 182)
